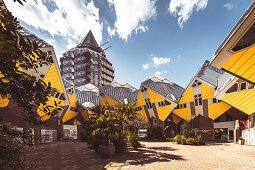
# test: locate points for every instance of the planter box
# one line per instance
(106, 151)
(241, 142)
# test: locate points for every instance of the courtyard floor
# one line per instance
(74, 155)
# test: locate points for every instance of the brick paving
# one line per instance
(74, 155)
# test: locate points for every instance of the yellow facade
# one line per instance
(217, 109)
(101, 101)
(164, 111)
(207, 91)
(140, 100)
(142, 113)
(50, 102)
(242, 64)
(72, 101)
(53, 77)
(69, 113)
(188, 96)
(176, 118)
(184, 113)
(111, 101)
(244, 101)
(154, 97)
(85, 115)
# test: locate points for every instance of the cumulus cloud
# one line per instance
(110, 31)
(145, 66)
(69, 19)
(229, 6)
(160, 60)
(131, 16)
(183, 9)
(160, 72)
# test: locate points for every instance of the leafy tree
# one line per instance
(124, 114)
(17, 55)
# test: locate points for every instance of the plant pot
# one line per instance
(135, 146)
(106, 151)
(242, 142)
(120, 146)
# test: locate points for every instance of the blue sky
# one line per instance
(173, 37)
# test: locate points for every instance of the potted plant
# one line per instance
(133, 139)
(122, 113)
(241, 140)
(104, 129)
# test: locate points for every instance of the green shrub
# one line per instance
(178, 139)
(133, 139)
(183, 140)
(12, 150)
(190, 141)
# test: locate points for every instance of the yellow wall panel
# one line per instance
(4, 102)
(85, 115)
(101, 101)
(140, 100)
(142, 113)
(72, 101)
(244, 101)
(50, 102)
(233, 59)
(242, 59)
(242, 64)
(184, 113)
(176, 118)
(217, 109)
(207, 91)
(154, 97)
(188, 96)
(163, 112)
(111, 101)
(53, 77)
(69, 115)
(76, 121)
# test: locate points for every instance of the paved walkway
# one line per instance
(72, 155)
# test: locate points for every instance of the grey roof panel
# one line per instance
(120, 93)
(87, 96)
(32, 37)
(171, 91)
(209, 73)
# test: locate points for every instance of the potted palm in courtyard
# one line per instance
(104, 130)
(122, 112)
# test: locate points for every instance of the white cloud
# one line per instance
(145, 66)
(184, 8)
(111, 32)
(160, 72)
(160, 60)
(70, 20)
(229, 6)
(132, 15)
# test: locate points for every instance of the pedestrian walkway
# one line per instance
(72, 155)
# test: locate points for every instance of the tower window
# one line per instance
(148, 103)
(243, 86)
(233, 88)
(214, 100)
